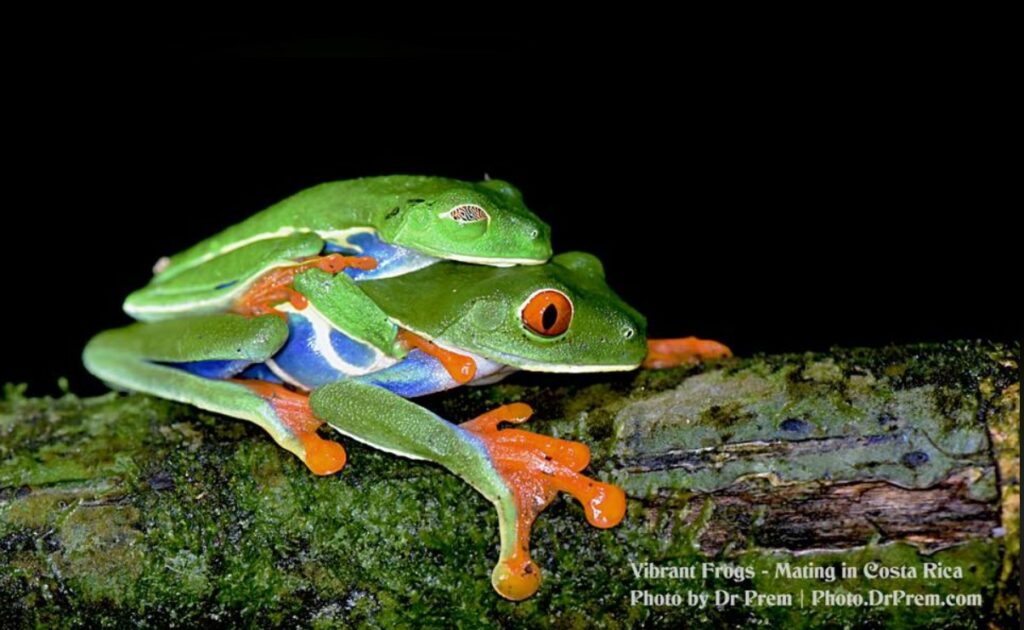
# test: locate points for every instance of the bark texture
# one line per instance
(129, 509)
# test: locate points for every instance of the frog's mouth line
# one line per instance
(493, 262)
(535, 366)
(517, 363)
(576, 369)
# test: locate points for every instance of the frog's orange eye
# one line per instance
(467, 213)
(547, 312)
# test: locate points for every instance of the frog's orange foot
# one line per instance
(666, 353)
(535, 468)
(322, 457)
(275, 286)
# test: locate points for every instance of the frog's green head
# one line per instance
(558, 317)
(482, 223)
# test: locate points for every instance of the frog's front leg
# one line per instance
(666, 353)
(275, 286)
(519, 472)
(142, 357)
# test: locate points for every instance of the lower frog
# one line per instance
(295, 369)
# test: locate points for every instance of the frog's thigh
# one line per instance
(238, 263)
(125, 357)
(214, 285)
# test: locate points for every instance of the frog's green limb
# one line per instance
(130, 358)
(213, 288)
(340, 300)
(519, 472)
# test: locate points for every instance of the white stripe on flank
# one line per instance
(230, 247)
(284, 376)
(339, 237)
(322, 328)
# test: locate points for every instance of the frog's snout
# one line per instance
(538, 239)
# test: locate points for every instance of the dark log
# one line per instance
(126, 509)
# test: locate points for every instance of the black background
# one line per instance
(777, 196)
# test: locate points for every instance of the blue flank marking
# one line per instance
(299, 357)
(418, 374)
(224, 285)
(217, 369)
(391, 259)
(260, 372)
(355, 353)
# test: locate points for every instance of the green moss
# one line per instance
(130, 510)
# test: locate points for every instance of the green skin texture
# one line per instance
(464, 307)
(404, 210)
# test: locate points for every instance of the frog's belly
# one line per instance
(317, 354)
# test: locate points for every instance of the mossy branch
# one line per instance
(131, 509)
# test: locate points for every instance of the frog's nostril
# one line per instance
(628, 332)
(534, 233)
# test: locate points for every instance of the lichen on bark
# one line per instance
(126, 508)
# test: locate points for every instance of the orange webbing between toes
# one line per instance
(535, 468)
(274, 286)
(666, 353)
(460, 367)
(323, 457)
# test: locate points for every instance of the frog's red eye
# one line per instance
(467, 213)
(547, 312)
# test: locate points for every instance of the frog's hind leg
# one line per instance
(144, 358)
(323, 457)
(666, 353)
(519, 472)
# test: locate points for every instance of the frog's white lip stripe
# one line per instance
(494, 262)
(575, 369)
(499, 358)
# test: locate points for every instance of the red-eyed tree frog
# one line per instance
(303, 346)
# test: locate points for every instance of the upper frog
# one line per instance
(404, 223)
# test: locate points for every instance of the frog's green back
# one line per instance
(406, 210)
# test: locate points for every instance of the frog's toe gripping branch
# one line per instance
(535, 468)
(519, 472)
(666, 353)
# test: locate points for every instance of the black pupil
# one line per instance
(549, 317)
